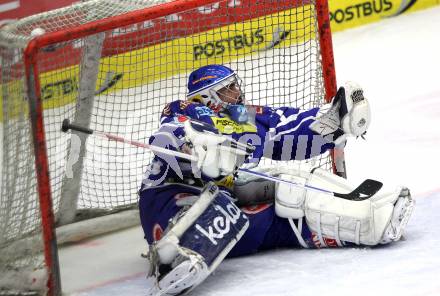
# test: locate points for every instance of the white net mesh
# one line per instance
(18, 34)
(119, 80)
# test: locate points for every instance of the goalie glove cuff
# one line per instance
(354, 110)
(348, 115)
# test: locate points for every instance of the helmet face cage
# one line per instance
(227, 92)
(215, 86)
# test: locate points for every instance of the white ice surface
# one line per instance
(397, 61)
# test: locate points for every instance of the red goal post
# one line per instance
(112, 66)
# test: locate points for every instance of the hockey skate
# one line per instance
(403, 209)
(186, 271)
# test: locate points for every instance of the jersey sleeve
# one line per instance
(171, 136)
(171, 133)
(288, 135)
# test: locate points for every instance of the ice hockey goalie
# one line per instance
(194, 214)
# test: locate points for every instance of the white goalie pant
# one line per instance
(378, 220)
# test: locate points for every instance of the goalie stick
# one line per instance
(66, 126)
(364, 191)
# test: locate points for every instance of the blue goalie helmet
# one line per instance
(216, 86)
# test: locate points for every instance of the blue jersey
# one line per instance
(277, 133)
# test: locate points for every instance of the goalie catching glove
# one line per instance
(217, 154)
(348, 114)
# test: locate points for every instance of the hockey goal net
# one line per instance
(112, 66)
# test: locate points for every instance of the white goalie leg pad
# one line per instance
(290, 200)
(380, 219)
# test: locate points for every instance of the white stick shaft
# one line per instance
(291, 183)
(194, 158)
(147, 146)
